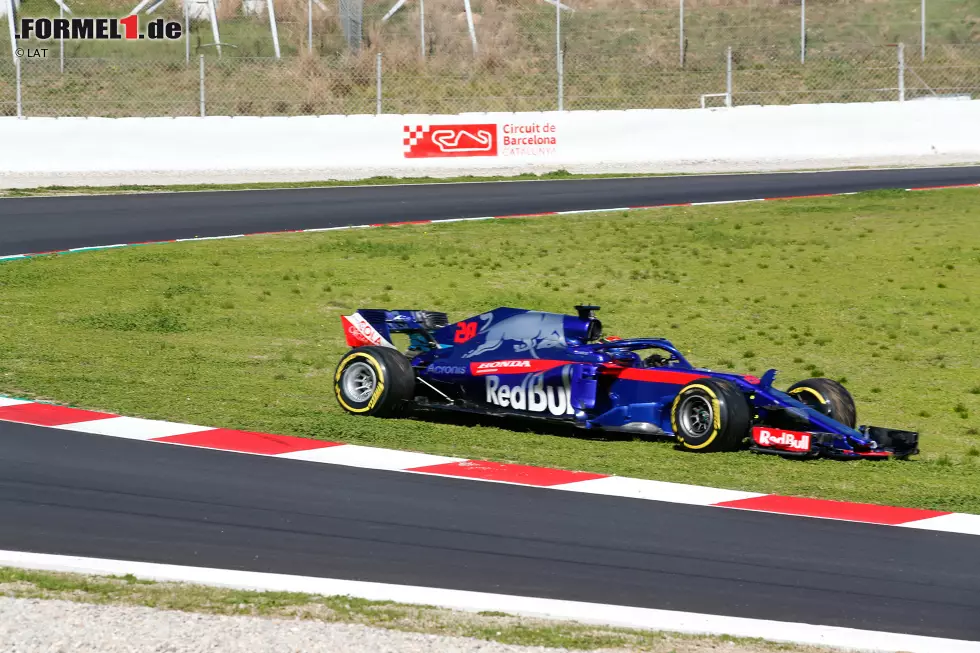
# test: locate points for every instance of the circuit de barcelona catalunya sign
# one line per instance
(490, 139)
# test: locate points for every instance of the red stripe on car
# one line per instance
(514, 366)
(652, 375)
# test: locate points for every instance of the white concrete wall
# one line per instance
(159, 150)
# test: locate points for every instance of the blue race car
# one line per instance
(516, 362)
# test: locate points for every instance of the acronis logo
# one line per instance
(447, 369)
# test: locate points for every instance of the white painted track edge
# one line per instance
(589, 613)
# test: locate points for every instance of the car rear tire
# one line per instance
(375, 381)
(828, 397)
(710, 415)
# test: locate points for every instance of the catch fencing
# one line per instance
(671, 54)
(371, 83)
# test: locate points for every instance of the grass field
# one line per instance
(876, 289)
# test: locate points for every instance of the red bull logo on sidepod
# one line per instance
(532, 394)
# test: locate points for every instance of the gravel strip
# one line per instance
(48, 626)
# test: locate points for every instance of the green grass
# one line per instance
(492, 626)
(878, 288)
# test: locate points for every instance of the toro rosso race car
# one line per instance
(561, 368)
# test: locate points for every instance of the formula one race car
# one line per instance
(560, 368)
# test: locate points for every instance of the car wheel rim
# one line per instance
(697, 416)
(360, 382)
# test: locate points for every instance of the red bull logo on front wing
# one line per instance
(780, 439)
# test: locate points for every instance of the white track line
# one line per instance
(134, 428)
(350, 226)
(87, 249)
(196, 238)
(355, 455)
(638, 488)
(956, 522)
(590, 613)
(759, 199)
(441, 220)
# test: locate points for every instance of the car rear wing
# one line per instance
(374, 326)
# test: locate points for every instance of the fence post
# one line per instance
(802, 31)
(309, 26)
(270, 9)
(214, 26)
(11, 12)
(20, 106)
(561, 80)
(469, 23)
(422, 25)
(203, 113)
(682, 34)
(559, 68)
(61, 42)
(901, 72)
(923, 38)
(187, 34)
(728, 79)
(377, 75)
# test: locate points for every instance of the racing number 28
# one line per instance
(465, 331)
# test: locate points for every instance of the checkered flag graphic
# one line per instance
(413, 135)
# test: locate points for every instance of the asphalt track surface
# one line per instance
(29, 225)
(103, 497)
(72, 494)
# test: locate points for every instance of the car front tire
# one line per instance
(828, 397)
(710, 415)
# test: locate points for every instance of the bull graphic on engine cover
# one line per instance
(528, 331)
